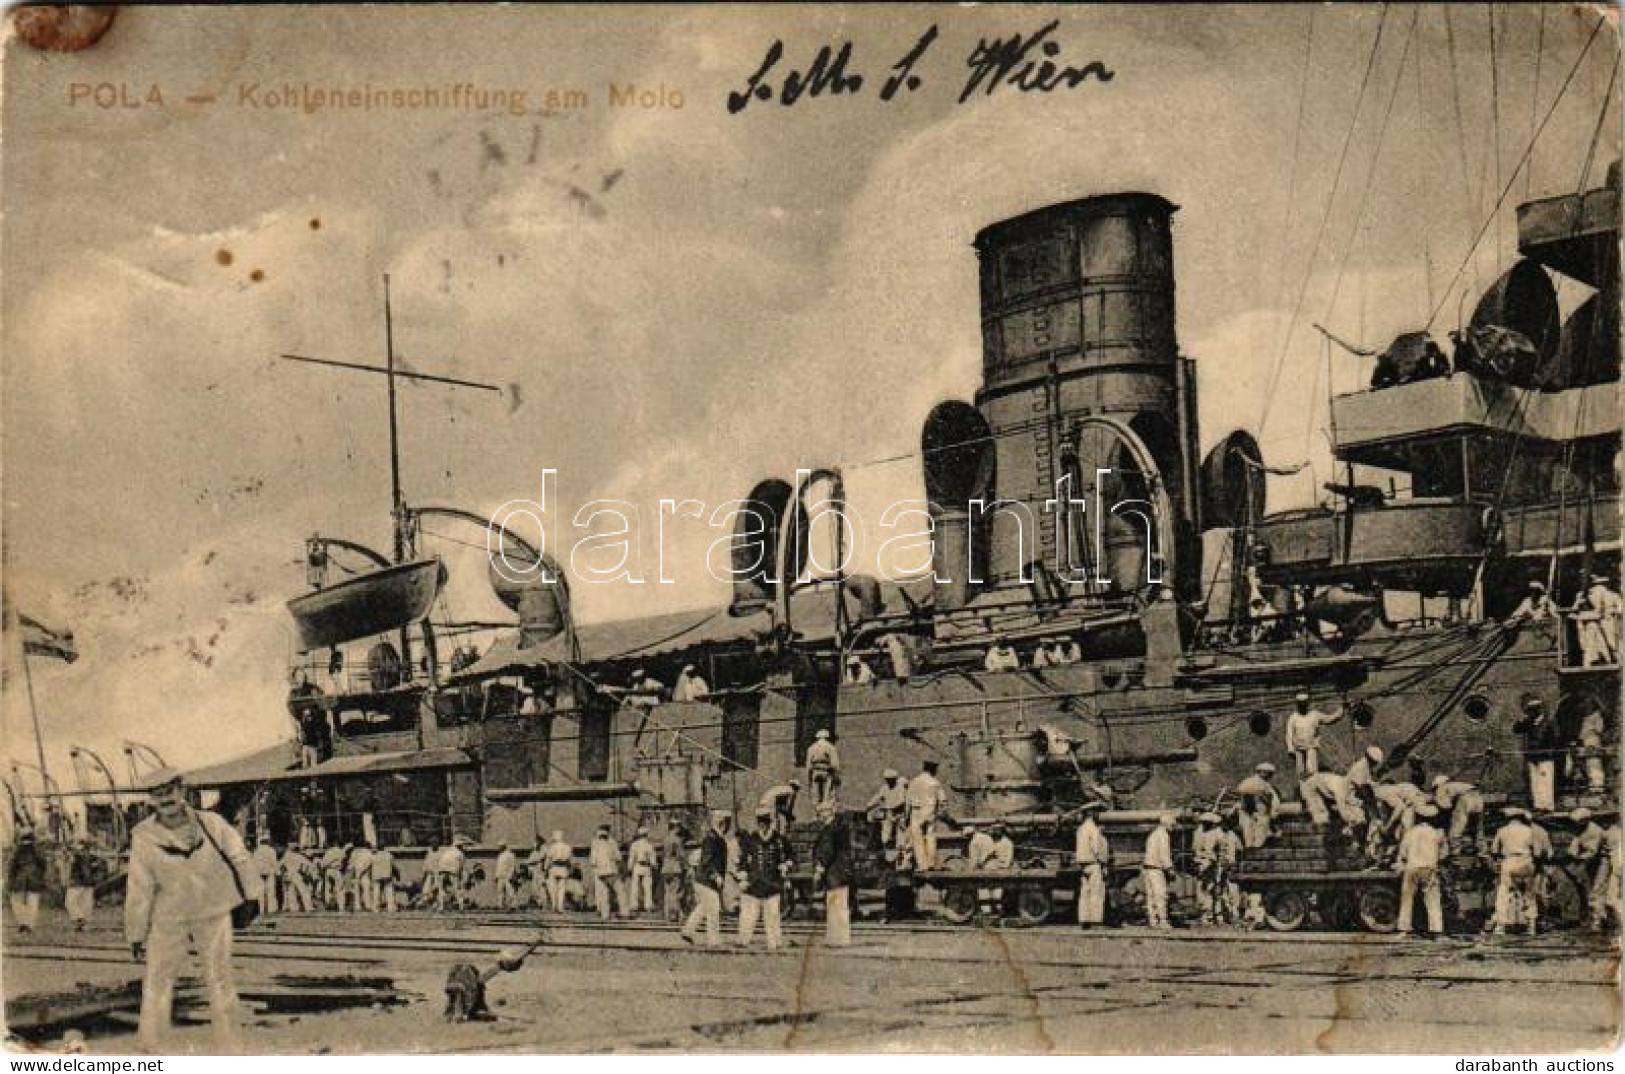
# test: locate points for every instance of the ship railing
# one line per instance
(1420, 622)
(345, 677)
(1254, 630)
(386, 827)
(1289, 627)
(1571, 649)
(496, 699)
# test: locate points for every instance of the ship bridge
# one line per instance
(1499, 465)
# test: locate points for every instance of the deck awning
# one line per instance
(280, 764)
(812, 612)
(249, 768)
(621, 638)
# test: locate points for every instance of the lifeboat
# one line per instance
(369, 604)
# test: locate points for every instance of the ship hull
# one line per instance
(1448, 692)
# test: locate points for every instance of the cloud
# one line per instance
(185, 658)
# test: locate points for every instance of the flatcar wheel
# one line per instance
(1033, 906)
(1286, 910)
(1379, 910)
(959, 903)
(1340, 910)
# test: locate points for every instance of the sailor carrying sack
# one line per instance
(246, 910)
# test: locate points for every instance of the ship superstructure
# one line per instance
(1471, 467)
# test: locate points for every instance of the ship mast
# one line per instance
(397, 500)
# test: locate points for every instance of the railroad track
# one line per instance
(373, 950)
(959, 976)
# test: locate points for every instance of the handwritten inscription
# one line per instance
(1025, 63)
(1009, 61)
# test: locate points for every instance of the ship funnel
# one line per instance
(1077, 326)
(956, 449)
(540, 597)
(755, 548)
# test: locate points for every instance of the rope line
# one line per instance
(1495, 120)
(1320, 230)
(1534, 95)
(1483, 228)
(1371, 172)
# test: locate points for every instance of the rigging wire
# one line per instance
(1468, 197)
(1320, 230)
(1514, 418)
(425, 531)
(1371, 172)
(1596, 133)
(1277, 291)
(1522, 160)
(1571, 446)
(1495, 123)
(1420, 133)
(1314, 394)
(1566, 472)
(1534, 95)
(1354, 231)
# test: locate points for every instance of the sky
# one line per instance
(676, 301)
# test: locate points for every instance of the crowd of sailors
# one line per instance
(1417, 826)
(190, 871)
(1414, 826)
(1595, 613)
(1403, 821)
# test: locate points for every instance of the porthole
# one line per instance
(1259, 723)
(1362, 714)
(1477, 707)
(1196, 728)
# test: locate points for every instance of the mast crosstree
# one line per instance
(397, 498)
